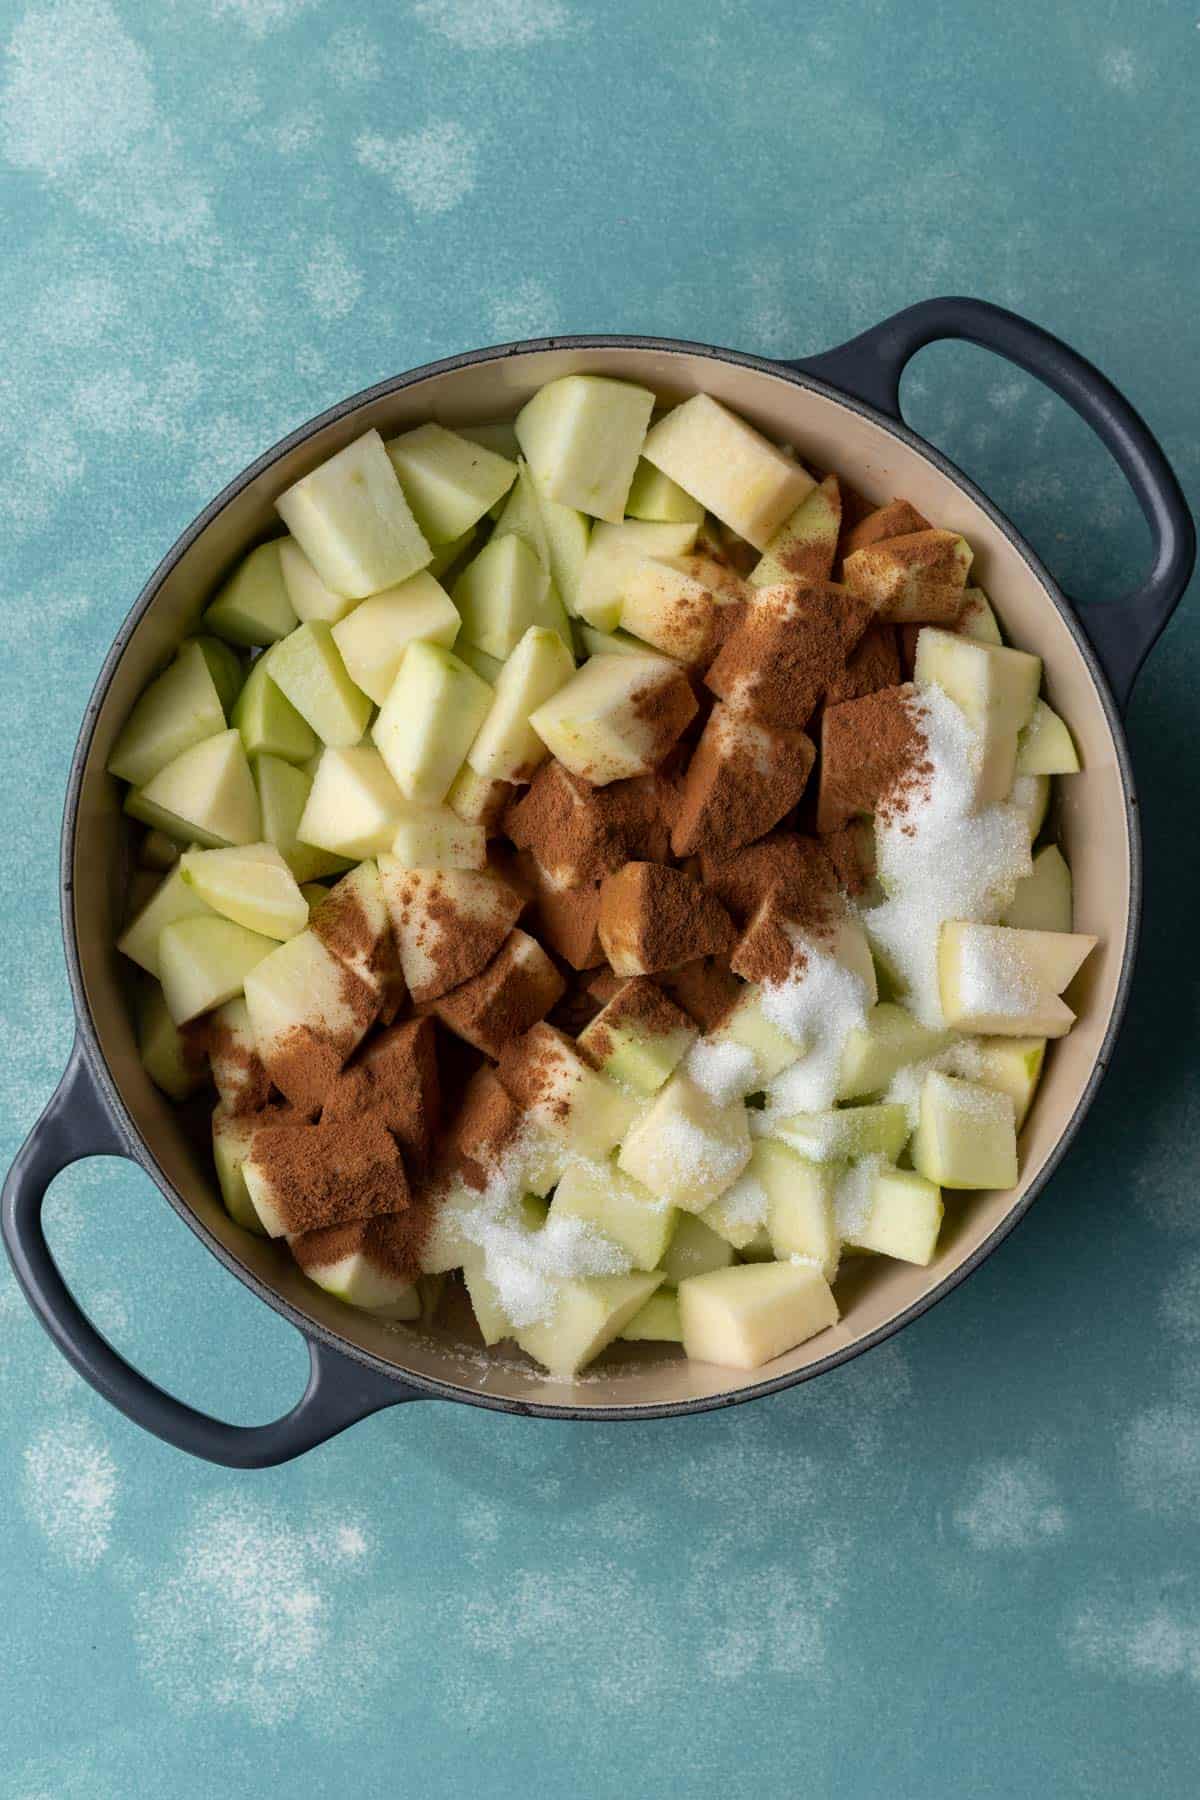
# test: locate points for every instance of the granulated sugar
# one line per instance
(852, 1196)
(698, 1158)
(940, 859)
(819, 1005)
(725, 1071)
(992, 977)
(745, 1203)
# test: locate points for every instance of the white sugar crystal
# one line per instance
(745, 1203)
(852, 1196)
(940, 859)
(696, 1158)
(725, 1071)
(818, 1005)
(993, 978)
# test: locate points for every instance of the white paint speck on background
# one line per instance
(352, 58)
(1160, 1460)
(1150, 1637)
(1120, 69)
(432, 169)
(498, 24)
(330, 280)
(1180, 1303)
(69, 1490)
(261, 16)
(1010, 1505)
(527, 310)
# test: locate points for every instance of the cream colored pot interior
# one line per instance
(1092, 825)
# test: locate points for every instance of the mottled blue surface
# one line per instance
(964, 1565)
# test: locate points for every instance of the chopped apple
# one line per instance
(977, 620)
(1046, 746)
(694, 1249)
(314, 892)
(1004, 981)
(662, 604)
(638, 1038)
(995, 688)
(352, 1262)
(268, 722)
(353, 922)
(1042, 901)
(875, 1052)
(203, 962)
(655, 497)
(251, 885)
(915, 579)
(507, 747)
(205, 796)
(172, 900)
(232, 1138)
(1011, 1065)
(966, 1137)
(745, 1316)
(1030, 794)
(564, 1099)
(748, 1025)
(582, 435)
(490, 1316)
(158, 852)
(373, 639)
(309, 671)
(517, 989)
(657, 1322)
(622, 1209)
(587, 1316)
(302, 991)
(311, 600)
(496, 435)
(448, 923)
(354, 806)
(351, 519)
(283, 793)
(738, 474)
(617, 716)
(237, 1069)
(558, 534)
(480, 663)
(429, 720)
(446, 557)
(805, 545)
(847, 1132)
(174, 1062)
(179, 709)
(686, 1148)
(448, 481)
(613, 552)
(610, 643)
(226, 665)
(504, 591)
(434, 837)
(478, 800)
(801, 1218)
(253, 607)
(903, 1217)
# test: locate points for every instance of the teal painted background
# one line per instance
(964, 1565)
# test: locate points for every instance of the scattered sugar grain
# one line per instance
(994, 979)
(695, 1156)
(819, 1005)
(745, 1203)
(724, 1071)
(852, 1196)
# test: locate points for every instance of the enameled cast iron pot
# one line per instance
(842, 411)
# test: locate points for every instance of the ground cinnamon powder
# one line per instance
(743, 777)
(331, 1172)
(388, 1242)
(518, 987)
(656, 917)
(792, 642)
(871, 751)
(705, 990)
(579, 833)
(896, 519)
(637, 1002)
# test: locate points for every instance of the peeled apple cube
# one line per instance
(654, 496)
(977, 620)
(308, 670)
(494, 434)
(253, 607)
(181, 707)
(448, 481)
(172, 900)
(749, 1026)
(373, 639)
(587, 1316)
(686, 1148)
(237, 1069)
(994, 687)
(614, 551)
(283, 794)
(251, 885)
(301, 986)
(632, 1051)
(694, 1249)
(434, 837)
(1045, 746)
(172, 1063)
(311, 600)
(490, 1316)
(1013, 1066)
(903, 1218)
(445, 556)
(918, 577)
(486, 667)
(610, 643)
(268, 722)
(656, 1323)
(1030, 794)
(891, 1039)
(665, 606)
(601, 723)
(622, 1209)
(204, 962)
(226, 665)
(847, 1132)
(351, 519)
(440, 917)
(355, 1276)
(429, 721)
(507, 747)
(1005, 981)
(354, 806)
(356, 909)
(504, 591)
(966, 1137)
(1042, 901)
(232, 1138)
(205, 796)
(559, 534)
(565, 1100)
(744, 1316)
(478, 800)
(736, 472)
(801, 1217)
(582, 436)
(806, 544)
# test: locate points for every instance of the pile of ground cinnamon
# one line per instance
(331, 1172)
(873, 756)
(743, 778)
(579, 833)
(791, 644)
(387, 1242)
(656, 917)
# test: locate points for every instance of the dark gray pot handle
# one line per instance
(869, 368)
(77, 1123)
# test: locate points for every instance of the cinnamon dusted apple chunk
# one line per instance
(516, 989)
(617, 716)
(309, 1011)
(562, 1098)
(705, 990)
(654, 917)
(663, 604)
(918, 578)
(396, 1080)
(870, 748)
(448, 923)
(301, 1176)
(638, 1037)
(568, 920)
(873, 665)
(742, 778)
(579, 833)
(805, 546)
(370, 1263)
(787, 648)
(798, 866)
(899, 518)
